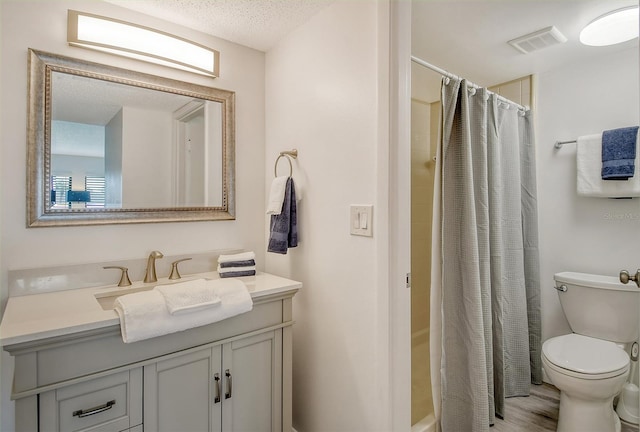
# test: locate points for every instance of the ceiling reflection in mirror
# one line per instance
(126, 147)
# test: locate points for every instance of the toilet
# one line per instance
(590, 366)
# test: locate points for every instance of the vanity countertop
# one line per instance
(33, 317)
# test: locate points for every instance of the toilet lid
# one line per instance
(585, 354)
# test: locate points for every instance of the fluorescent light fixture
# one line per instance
(612, 28)
(141, 43)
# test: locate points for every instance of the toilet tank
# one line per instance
(600, 306)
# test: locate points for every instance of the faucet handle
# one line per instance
(175, 274)
(625, 277)
(124, 277)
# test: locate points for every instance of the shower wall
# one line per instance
(422, 170)
(425, 117)
(519, 90)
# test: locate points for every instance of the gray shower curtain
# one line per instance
(490, 285)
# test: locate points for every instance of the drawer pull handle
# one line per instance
(94, 410)
(227, 395)
(216, 377)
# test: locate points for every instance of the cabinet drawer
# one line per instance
(110, 403)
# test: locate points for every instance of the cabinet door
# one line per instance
(179, 393)
(252, 378)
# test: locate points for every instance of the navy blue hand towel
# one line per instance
(619, 153)
(238, 274)
(244, 263)
(284, 227)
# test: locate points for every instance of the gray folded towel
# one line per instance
(619, 153)
(244, 263)
(284, 227)
(237, 274)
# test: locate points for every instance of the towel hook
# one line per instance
(288, 155)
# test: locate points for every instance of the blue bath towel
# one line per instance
(284, 227)
(619, 153)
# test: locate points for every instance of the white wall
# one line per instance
(42, 25)
(590, 235)
(113, 161)
(322, 97)
(147, 165)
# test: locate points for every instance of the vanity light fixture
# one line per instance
(612, 28)
(138, 42)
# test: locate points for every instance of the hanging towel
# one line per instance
(589, 164)
(276, 195)
(284, 227)
(619, 153)
(145, 315)
(189, 296)
(242, 256)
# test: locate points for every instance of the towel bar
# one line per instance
(559, 144)
(288, 154)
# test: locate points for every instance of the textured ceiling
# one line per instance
(258, 24)
(469, 38)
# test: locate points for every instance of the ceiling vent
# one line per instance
(538, 40)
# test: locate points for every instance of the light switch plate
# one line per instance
(361, 220)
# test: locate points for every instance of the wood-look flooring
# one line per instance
(535, 413)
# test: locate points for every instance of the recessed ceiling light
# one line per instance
(612, 28)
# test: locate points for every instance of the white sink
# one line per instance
(107, 297)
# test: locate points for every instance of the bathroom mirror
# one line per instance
(109, 146)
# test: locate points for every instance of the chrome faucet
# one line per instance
(150, 275)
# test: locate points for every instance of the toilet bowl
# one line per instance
(589, 373)
(590, 366)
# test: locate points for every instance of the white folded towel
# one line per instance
(589, 169)
(276, 195)
(235, 269)
(145, 315)
(189, 296)
(243, 256)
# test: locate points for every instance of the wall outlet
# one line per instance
(361, 220)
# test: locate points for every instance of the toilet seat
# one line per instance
(585, 357)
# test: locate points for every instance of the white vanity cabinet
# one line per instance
(235, 386)
(88, 379)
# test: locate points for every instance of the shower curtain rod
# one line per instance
(450, 75)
